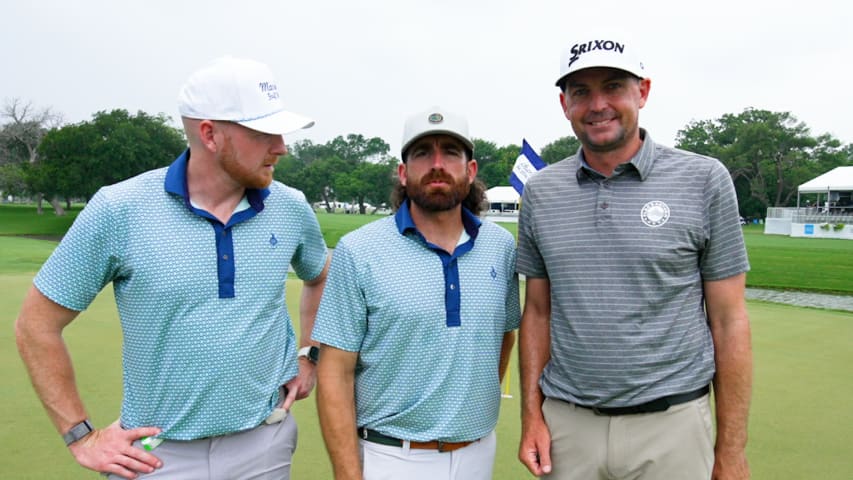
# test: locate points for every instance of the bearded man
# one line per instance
(417, 322)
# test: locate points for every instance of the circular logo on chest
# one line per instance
(655, 213)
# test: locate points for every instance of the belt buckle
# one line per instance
(440, 446)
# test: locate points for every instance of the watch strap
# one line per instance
(310, 352)
(77, 432)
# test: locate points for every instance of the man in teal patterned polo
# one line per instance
(417, 322)
(198, 255)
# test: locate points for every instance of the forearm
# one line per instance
(729, 322)
(38, 334)
(336, 411)
(534, 346)
(533, 350)
(733, 384)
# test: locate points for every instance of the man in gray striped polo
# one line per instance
(635, 266)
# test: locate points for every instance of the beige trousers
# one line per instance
(675, 444)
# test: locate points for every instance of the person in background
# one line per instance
(635, 271)
(198, 255)
(417, 322)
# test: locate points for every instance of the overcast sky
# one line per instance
(363, 66)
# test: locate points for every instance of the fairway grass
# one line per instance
(777, 261)
(799, 426)
(24, 220)
(782, 262)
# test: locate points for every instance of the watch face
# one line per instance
(312, 353)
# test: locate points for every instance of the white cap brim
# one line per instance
(280, 123)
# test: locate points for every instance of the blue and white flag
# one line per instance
(525, 165)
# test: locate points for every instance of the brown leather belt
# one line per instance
(376, 437)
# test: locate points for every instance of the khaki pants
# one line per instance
(675, 444)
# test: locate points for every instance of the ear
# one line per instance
(472, 170)
(645, 86)
(401, 173)
(563, 105)
(207, 135)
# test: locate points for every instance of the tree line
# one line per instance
(767, 153)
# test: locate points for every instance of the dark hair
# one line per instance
(564, 82)
(475, 201)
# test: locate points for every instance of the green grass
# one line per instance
(783, 262)
(778, 262)
(799, 427)
(23, 254)
(24, 220)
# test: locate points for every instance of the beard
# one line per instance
(439, 199)
(245, 176)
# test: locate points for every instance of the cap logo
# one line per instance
(270, 89)
(435, 118)
(581, 48)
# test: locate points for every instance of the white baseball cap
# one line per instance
(435, 121)
(240, 91)
(597, 52)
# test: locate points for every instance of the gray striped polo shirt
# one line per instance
(626, 257)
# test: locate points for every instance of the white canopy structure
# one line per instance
(829, 216)
(835, 180)
(503, 199)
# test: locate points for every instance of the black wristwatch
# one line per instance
(77, 432)
(310, 352)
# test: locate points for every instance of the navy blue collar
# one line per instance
(176, 184)
(404, 221)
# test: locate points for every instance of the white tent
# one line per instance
(502, 195)
(503, 199)
(837, 179)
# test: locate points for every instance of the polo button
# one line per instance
(604, 205)
(452, 287)
(225, 257)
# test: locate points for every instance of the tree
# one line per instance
(486, 154)
(76, 160)
(13, 179)
(494, 163)
(368, 182)
(768, 154)
(560, 149)
(356, 149)
(351, 168)
(23, 128)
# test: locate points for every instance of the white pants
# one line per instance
(384, 462)
(262, 453)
